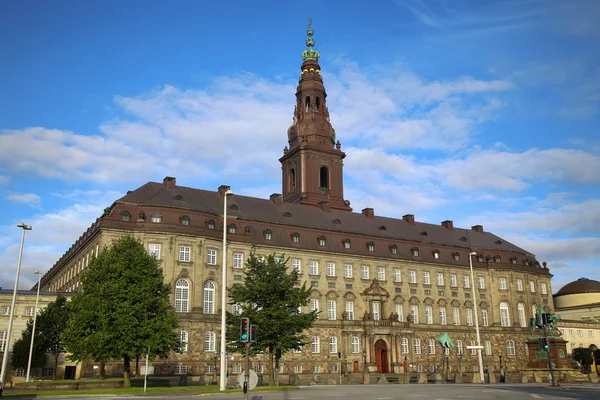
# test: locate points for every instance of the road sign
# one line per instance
(474, 347)
(253, 379)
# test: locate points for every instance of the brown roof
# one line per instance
(155, 194)
(581, 285)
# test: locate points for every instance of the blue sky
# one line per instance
(481, 112)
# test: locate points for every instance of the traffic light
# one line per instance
(244, 330)
(253, 333)
(544, 344)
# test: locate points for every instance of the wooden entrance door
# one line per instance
(381, 356)
(355, 365)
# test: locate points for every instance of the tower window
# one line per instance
(307, 103)
(318, 105)
(292, 187)
(324, 178)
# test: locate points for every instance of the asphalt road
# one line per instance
(404, 392)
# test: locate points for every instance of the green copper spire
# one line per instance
(310, 54)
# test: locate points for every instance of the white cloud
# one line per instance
(30, 199)
(4, 179)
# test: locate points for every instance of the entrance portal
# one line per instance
(355, 366)
(381, 356)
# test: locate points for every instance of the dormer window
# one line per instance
(211, 224)
(415, 251)
(497, 259)
(371, 246)
(125, 216)
(394, 249)
(296, 237)
(480, 257)
(513, 260)
(185, 220)
(347, 244)
(436, 254)
(322, 241)
(381, 227)
(231, 228)
(456, 256)
(268, 234)
(156, 218)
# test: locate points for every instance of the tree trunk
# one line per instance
(102, 371)
(55, 365)
(137, 366)
(271, 369)
(276, 372)
(126, 377)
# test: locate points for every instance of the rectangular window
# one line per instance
(296, 265)
(154, 250)
(543, 288)
(348, 271)
(184, 253)
(314, 268)
(236, 369)
(443, 316)
(440, 279)
(453, 281)
(484, 318)
(502, 283)
(417, 346)
(364, 270)
(350, 310)
(414, 313)
(29, 311)
(456, 316)
(238, 260)
(400, 312)
(376, 310)
(211, 257)
(47, 371)
(519, 285)
(466, 282)
(532, 286)
(412, 276)
(469, 317)
(426, 278)
(314, 305)
(428, 315)
(297, 369)
(331, 310)
(3, 337)
(397, 275)
(381, 274)
(481, 281)
(330, 269)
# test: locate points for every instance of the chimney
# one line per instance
(409, 218)
(223, 189)
(275, 198)
(325, 206)
(448, 224)
(369, 212)
(477, 228)
(169, 182)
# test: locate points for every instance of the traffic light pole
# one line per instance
(247, 372)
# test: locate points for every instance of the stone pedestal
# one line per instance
(539, 358)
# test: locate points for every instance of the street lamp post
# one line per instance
(479, 356)
(223, 371)
(12, 307)
(37, 298)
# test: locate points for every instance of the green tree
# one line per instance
(20, 351)
(123, 308)
(270, 298)
(583, 355)
(51, 324)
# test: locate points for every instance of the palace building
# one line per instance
(386, 287)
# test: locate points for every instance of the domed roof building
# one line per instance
(584, 293)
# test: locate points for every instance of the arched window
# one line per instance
(347, 244)
(371, 246)
(307, 104)
(355, 345)
(404, 345)
(459, 347)
(231, 228)
(322, 241)
(431, 346)
(504, 314)
(315, 345)
(185, 220)
(488, 348)
(296, 237)
(209, 298)
(209, 341)
(292, 188)
(236, 309)
(183, 340)
(522, 318)
(125, 216)
(473, 350)
(333, 345)
(156, 218)
(182, 295)
(210, 224)
(268, 234)
(510, 347)
(318, 104)
(394, 249)
(324, 178)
